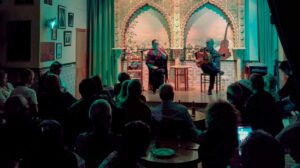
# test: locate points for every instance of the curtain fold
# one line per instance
(101, 39)
(285, 17)
(266, 36)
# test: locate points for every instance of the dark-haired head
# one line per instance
(123, 76)
(134, 89)
(87, 88)
(97, 84)
(27, 77)
(166, 92)
(55, 68)
(52, 83)
(261, 150)
(257, 82)
(51, 135)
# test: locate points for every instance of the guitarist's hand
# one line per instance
(154, 67)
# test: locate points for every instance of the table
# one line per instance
(185, 73)
(186, 155)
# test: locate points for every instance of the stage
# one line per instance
(200, 99)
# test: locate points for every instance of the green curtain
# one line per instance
(267, 36)
(101, 39)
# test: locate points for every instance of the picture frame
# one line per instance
(71, 19)
(48, 2)
(54, 34)
(47, 51)
(67, 38)
(61, 17)
(58, 50)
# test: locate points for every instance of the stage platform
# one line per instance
(200, 99)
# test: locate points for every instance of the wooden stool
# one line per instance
(181, 71)
(204, 78)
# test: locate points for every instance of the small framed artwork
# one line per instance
(70, 19)
(48, 2)
(58, 50)
(61, 17)
(54, 34)
(67, 38)
(47, 51)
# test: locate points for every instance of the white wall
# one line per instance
(79, 8)
(11, 12)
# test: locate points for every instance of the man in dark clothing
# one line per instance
(261, 111)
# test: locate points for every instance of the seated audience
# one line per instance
(132, 105)
(54, 103)
(261, 111)
(169, 111)
(289, 137)
(123, 91)
(271, 86)
(289, 94)
(235, 97)
(94, 146)
(18, 131)
(26, 80)
(219, 141)
(49, 150)
(78, 114)
(134, 143)
(261, 150)
(123, 76)
(55, 68)
(6, 89)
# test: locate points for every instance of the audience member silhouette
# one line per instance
(134, 143)
(123, 76)
(261, 111)
(49, 150)
(289, 137)
(78, 115)
(219, 141)
(123, 91)
(133, 107)
(94, 146)
(6, 89)
(17, 133)
(261, 150)
(172, 114)
(54, 103)
(26, 80)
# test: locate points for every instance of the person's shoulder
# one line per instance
(180, 107)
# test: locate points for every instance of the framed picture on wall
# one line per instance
(70, 19)
(54, 34)
(61, 17)
(48, 2)
(58, 50)
(47, 51)
(67, 38)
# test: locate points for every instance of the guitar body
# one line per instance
(201, 58)
(224, 46)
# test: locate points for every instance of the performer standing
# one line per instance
(212, 64)
(156, 61)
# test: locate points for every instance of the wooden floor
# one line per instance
(187, 97)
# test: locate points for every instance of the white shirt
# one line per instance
(28, 93)
(5, 92)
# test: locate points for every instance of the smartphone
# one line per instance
(243, 133)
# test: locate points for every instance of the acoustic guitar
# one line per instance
(224, 50)
(202, 57)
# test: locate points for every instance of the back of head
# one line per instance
(135, 139)
(55, 68)
(3, 76)
(50, 135)
(86, 88)
(261, 150)
(27, 76)
(234, 92)
(166, 92)
(134, 89)
(52, 83)
(98, 86)
(100, 115)
(270, 82)
(123, 76)
(123, 90)
(289, 137)
(257, 82)
(17, 109)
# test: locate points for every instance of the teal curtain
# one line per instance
(101, 39)
(267, 36)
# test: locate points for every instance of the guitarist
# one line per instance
(212, 67)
